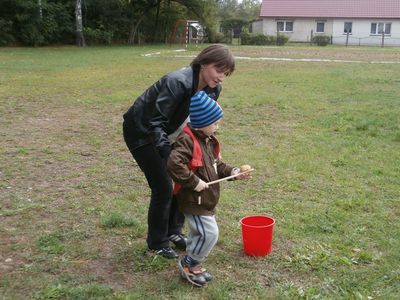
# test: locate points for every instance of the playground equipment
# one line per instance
(187, 32)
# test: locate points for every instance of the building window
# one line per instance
(348, 26)
(320, 27)
(379, 28)
(284, 26)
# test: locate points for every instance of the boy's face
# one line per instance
(210, 129)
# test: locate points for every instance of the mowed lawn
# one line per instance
(322, 132)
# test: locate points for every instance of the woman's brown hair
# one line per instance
(218, 55)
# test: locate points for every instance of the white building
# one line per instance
(359, 22)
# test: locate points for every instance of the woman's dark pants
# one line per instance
(163, 216)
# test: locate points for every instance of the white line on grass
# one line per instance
(287, 59)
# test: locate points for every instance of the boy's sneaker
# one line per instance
(179, 241)
(193, 274)
(207, 276)
(166, 252)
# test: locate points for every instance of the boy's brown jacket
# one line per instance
(190, 201)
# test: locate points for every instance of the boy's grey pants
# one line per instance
(202, 237)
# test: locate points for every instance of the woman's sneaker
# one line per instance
(166, 252)
(192, 274)
(179, 241)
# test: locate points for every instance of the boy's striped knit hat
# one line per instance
(204, 110)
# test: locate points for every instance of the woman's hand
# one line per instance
(164, 151)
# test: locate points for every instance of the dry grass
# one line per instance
(73, 203)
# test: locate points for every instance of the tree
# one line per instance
(249, 10)
(80, 39)
(227, 9)
(235, 16)
(233, 26)
(43, 22)
(139, 9)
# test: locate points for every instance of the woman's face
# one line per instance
(211, 75)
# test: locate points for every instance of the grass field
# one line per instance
(323, 136)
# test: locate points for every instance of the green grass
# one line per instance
(323, 137)
(115, 219)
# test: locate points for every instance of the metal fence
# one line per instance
(377, 40)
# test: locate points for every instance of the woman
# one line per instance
(150, 126)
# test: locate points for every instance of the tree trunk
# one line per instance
(40, 9)
(134, 28)
(167, 23)
(155, 36)
(80, 39)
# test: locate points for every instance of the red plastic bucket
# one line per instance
(257, 232)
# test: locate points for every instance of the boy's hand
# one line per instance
(242, 169)
(201, 186)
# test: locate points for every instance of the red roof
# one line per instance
(331, 8)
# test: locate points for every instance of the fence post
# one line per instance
(383, 38)
(277, 35)
(331, 39)
(347, 38)
(312, 33)
(187, 34)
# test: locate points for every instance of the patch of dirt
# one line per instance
(59, 156)
(10, 260)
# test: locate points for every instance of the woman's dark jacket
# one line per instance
(162, 108)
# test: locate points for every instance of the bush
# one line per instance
(21, 23)
(30, 35)
(6, 33)
(245, 38)
(218, 37)
(58, 25)
(257, 39)
(97, 36)
(281, 39)
(321, 40)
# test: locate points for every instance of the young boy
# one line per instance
(194, 161)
